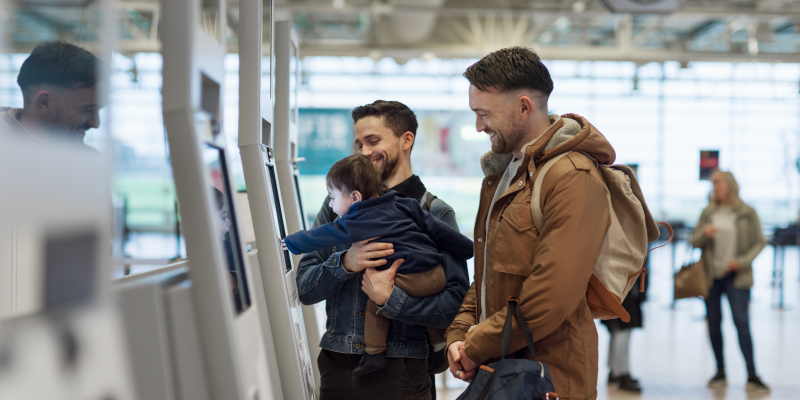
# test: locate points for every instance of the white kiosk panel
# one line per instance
(287, 71)
(228, 320)
(266, 208)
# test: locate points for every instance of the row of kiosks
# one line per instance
(258, 130)
(287, 77)
(205, 319)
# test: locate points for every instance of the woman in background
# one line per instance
(729, 234)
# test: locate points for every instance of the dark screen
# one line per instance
(70, 269)
(227, 231)
(279, 213)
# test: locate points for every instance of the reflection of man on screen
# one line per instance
(59, 91)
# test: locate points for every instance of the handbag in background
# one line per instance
(691, 281)
(512, 379)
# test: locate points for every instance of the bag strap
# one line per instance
(426, 201)
(536, 208)
(505, 338)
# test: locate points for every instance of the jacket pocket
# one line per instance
(515, 241)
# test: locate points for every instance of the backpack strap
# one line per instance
(536, 208)
(331, 214)
(426, 201)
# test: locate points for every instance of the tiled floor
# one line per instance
(672, 356)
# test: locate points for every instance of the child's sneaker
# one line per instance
(370, 363)
(755, 385)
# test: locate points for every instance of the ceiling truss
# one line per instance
(702, 30)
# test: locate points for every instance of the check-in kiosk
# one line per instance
(267, 210)
(56, 198)
(227, 313)
(287, 73)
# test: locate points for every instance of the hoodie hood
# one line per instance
(568, 132)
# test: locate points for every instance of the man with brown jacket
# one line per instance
(547, 270)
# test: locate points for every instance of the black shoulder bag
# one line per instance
(512, 379)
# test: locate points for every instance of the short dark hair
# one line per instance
(59, 63)
(396, 116)
(508, 69)
(356, 172)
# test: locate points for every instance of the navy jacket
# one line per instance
(321, 278)
(418, 237)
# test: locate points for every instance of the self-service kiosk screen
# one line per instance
(300, 201)
(273, 181)
(227, 232)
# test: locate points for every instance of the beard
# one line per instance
(389, 165)
(59, 127)
(506, 140)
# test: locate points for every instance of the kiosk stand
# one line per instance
(287, 71)
(226, 308)
(56, 195)
(264, 197)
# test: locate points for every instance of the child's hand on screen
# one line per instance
(283, 245)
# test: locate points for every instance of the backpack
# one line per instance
(624, 251)
(437, 360)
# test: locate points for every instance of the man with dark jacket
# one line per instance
(548, 270)
(345, 277)
(59, 90)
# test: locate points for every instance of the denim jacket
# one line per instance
(321, 277)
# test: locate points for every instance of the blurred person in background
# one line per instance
(59, 90)
(729, 234)
(620, 338)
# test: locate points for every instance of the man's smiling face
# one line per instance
(494, 115)
(378, 143)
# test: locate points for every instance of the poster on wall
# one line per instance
(709, 161)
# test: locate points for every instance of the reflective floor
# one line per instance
(672, 356)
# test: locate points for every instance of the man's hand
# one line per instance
(378, 285)
(454, 357)
(733, 266)
(470, 367)
(460, 365)
(361, 255)
(710, 231)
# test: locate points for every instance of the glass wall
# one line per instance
(657, 117)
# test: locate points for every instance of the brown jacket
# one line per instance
(549, 271)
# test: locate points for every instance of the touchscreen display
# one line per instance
(225, 221)
(273, 185)
(299, 200)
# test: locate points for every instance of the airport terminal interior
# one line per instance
(160, 157)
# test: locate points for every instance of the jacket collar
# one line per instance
(495, 164)
(369, 203)
(413, 188)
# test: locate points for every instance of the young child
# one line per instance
(365, 212)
